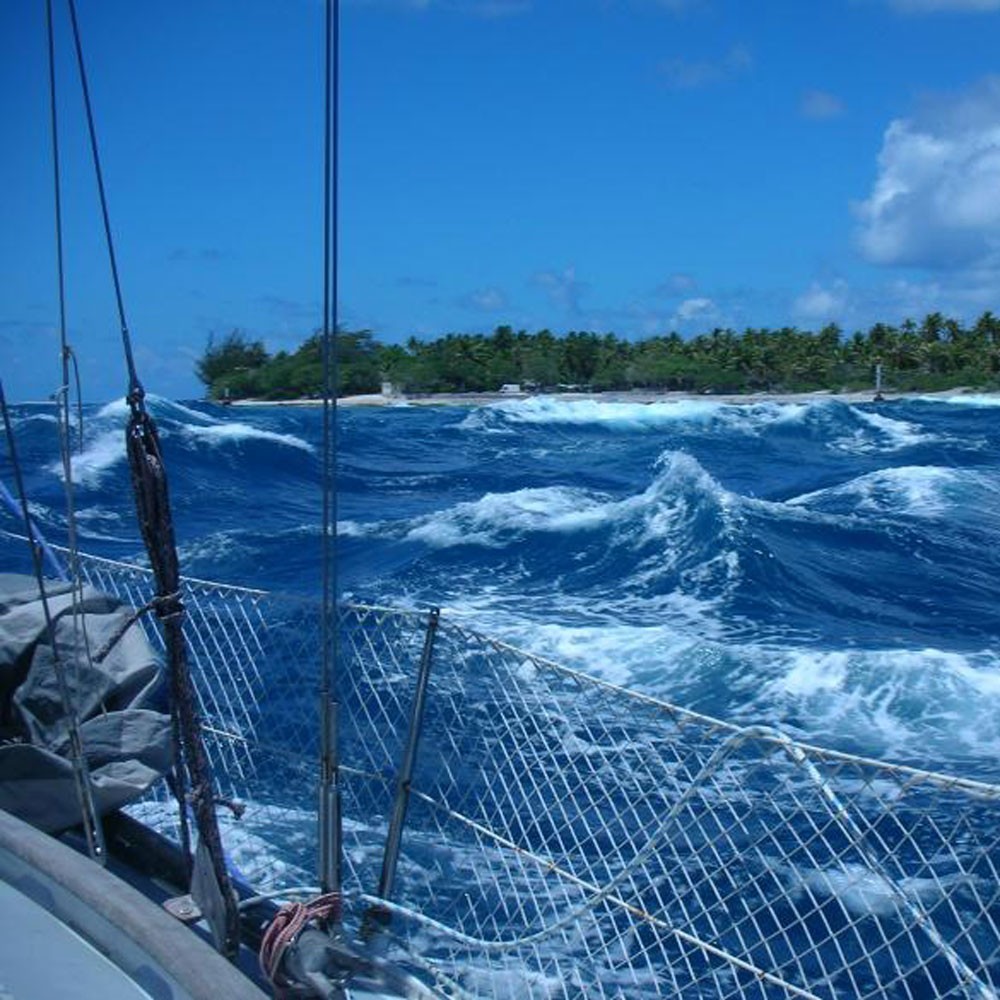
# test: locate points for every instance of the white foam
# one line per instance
(485, 521)
(115, 409)
(357, 529)
(880, 433)
(96, 522)
(863, 891)
(176, 409)
(616, 414)
(917, 490)
(964, 399)
(226, 433)
(512, 983)
(213, 549)
(550, 410)
(894, 702)
(102, 453)
(44, 418)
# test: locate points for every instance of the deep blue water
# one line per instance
(830, 568)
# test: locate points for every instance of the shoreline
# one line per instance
(633, 396)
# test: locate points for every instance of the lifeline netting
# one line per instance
(569, 838)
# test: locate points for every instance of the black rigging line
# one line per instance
(330, 811)
(66, 352)
(152, 497)
(136, 392)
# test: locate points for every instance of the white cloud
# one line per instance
(822, 304)
(820, 105)
(936, 6)
(688, 74)
(699, 309)
(936, 200)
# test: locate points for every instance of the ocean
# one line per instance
(826, 567)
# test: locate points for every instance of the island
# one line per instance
(934, 355)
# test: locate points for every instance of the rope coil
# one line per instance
(284, 930)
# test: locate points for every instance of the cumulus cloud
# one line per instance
(936, 199)
(700, 310)
(819, 105)
(690, 74)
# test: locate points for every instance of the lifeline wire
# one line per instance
(65, 446)
(66, 352)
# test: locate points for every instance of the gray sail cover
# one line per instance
(126, 739)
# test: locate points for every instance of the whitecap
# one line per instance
(900, 704)
(100, 455)
(225, 433)
(915, 490)
(880, 433)
(964, 399)
(484, 521)
(745, 417)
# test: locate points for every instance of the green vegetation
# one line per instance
(938, 353)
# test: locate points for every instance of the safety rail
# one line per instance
(565, 837)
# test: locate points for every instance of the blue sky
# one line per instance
(637, 166)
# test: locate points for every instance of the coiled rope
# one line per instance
(285, 928)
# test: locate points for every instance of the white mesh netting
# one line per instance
(569, 838)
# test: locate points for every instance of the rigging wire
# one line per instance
(81, 637)
(152, 497)
(92, 829)
(65, 351)
(330, 819)
(135, 386)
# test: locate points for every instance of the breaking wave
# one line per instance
(820, 565)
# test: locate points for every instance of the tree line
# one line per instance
(937, 353)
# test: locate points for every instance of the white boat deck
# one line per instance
(73, 929)
(42, 958)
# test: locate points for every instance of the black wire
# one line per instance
(135, 386)
(330, 629)
(156, 523)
